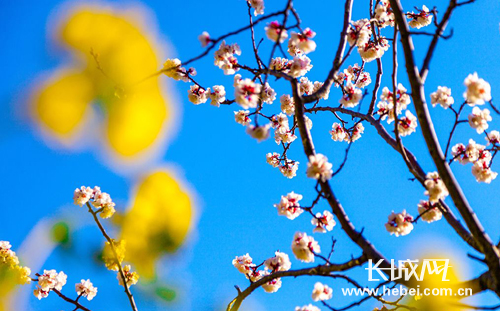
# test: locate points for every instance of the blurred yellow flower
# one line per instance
(108, 255)
(135, 115)
(447, 298)
(157, 222)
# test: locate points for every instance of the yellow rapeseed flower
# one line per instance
(135, 115)
(157, 222)
(448, 290)
(108, 255)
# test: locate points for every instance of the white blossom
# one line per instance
(273, 31)
(197, 95)
(458, 153)
(40, 293)
(301, 42)
(103, 201)
(358, 76)
(371, 50)
(304, 247)
(236, 80)
(478, 119)
(402, 97)
(225, 59)
(352, 96)
(399, 224)
(247, 93)
(323, 222)
(287, 104)
(172, 68)
(285, 138)
(259, 132)
(436, 190)
(299, 66)
(356, 132)
(83, 195)
(258, 6)
(319, 168)
(268, 94)
(86, 289)
(51, 279)
(271, 286)
(341, 77)
(359, 32)
(273, 159)
(483, 173)
(305, 86)
(386, 111)
(338, 132)
(384, 14)
(321, 292)
(289, 169)
(217, 95)
(470, 153)
(280, 64)
(282, 132)
(429, 212)
(5, 245)
(309, 307)
(407, 124)
(280, 262)
(289, 205)
(478, 91)
(421, 19)
(493, 137)
(131, 277)
(243, 263)
(442, 97)
(280, 122)
(241, 117)
(255, 275)
(204, 39)
(101, 198)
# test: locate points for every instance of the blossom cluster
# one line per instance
(289, 206)
(304, 248)
(420, 19)
(49, 280)
(392, 105)
(401, 224)
(100, 200)
(477, 92)
(478, 155)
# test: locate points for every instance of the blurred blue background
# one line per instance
(234, 188)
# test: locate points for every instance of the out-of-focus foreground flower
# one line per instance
(134, 115)
(158, 221)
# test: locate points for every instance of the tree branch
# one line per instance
(418, 95)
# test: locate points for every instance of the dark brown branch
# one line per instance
(115, 254)
(339, 57)
(322, 270)
(418, 95)
(424, 70)
(67, 299)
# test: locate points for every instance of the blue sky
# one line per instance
(235, 189)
